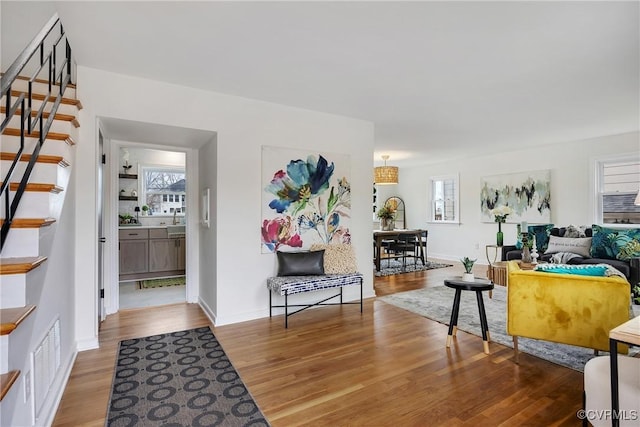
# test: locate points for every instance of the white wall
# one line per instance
(242, 127)
(571, 165)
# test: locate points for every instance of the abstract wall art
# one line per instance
(306, 199)
(528, 194)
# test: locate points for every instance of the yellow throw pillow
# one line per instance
(339, 258)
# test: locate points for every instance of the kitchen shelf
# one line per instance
(127, 176)
(134, 198)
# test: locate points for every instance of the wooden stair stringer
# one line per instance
(10, 318)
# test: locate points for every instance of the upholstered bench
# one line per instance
(289, 285)
(325, 266)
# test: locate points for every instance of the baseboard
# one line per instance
(53, 402)
(88, 344)
(207, 310)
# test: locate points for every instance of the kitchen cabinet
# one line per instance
(134, 251)
(165, 254)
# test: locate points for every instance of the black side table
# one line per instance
(478, 286)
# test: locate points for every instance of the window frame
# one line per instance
(143, 168)
(431, 197)
(597, 182)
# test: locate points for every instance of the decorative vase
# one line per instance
(468, 277)
(386, 224)
(499, 236)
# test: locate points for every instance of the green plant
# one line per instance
(145, 208)
(636, 294)
(468, 264)
(386, 212)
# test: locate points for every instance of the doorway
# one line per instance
(152, 203)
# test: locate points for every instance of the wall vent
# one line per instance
(46, 363)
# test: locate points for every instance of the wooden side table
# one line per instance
(478, 286)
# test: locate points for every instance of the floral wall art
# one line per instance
(528, 194)
(306, 199)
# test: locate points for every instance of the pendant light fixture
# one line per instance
(385, 175)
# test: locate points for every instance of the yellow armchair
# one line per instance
(565, 308)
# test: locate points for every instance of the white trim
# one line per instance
(595, 182)
(112, 297)
(207, 311)
(431, 215)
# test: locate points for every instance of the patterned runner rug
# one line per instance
(179, 379)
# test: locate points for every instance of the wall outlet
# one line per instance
(27, 386)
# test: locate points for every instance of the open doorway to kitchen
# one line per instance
(152, 206)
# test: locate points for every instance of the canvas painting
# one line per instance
(306, 199)
(528, 194)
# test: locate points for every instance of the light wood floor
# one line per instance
(336, 367)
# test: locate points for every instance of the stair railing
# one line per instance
(58, 73)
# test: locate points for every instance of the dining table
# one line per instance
(380, 235)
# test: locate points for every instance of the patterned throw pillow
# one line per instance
(541, 233)
(615, 243)
(582, 270)
(339, 258)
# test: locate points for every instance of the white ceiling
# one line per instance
(440, 80)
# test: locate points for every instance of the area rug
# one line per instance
(435, 303)
(392, 266)
(158, 283)
(179, 379)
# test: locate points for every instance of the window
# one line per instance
(163, 190)
(444, 199)
(618, 182)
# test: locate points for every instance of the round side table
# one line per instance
(479, 285)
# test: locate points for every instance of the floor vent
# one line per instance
(46, 362)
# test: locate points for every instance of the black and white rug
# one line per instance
(393, 266)
(179, 379)
(435, 303)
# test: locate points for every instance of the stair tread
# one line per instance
(6, 381)
(30, 222)
(20, 265)
(41, 187)
(57, 136)
(44, 81)
(39, 97)
(42, 158)
(58, 116)
(10, 318)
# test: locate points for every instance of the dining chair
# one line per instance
(423, 238)
(403, 247)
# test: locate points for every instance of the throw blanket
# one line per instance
(563, 257)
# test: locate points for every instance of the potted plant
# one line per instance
(386, 215)
(145, 210)
(125, 218)
(468, 265)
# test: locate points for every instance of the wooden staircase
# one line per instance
(38, 212)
